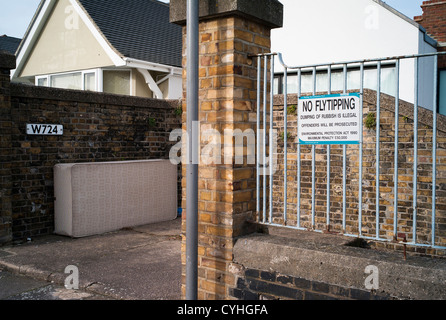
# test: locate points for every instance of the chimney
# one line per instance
(434, 21)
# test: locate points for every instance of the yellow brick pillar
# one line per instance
(229, 32)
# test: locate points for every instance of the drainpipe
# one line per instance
(192, 166)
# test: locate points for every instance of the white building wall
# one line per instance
(175, 87)
(426, 78)
(323, 31)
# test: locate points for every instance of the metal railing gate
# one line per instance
(267, 176)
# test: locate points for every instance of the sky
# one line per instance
(15, 15)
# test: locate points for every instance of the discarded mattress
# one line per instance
(95, 198)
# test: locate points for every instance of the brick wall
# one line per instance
(7, 62)
(386, 207)
(253, 284)
(434, 21)
(97, 128)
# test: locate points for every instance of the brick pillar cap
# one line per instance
(7, 60)
(268, 12)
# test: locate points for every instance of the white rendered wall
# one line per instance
(322, 31)
(175, 87)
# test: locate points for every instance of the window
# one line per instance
(90, 81)
(442, 92)
(81, 80)
(114, 81)
(67, 81)
(42, 82)
(117, 82)
(388, 80)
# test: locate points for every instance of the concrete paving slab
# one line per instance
(15, 287)
(142, 263)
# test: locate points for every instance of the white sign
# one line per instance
(329, 119)
(44, 129)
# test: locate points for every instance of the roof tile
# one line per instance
(138, 29)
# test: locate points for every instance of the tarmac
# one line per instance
(140, 263)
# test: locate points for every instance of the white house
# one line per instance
(122, 47)
(325, 31)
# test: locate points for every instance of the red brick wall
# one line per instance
(434, 21)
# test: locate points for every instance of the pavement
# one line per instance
(140, 263)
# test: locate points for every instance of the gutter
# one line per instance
(152, 66)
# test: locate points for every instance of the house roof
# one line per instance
(138, 29)
(134, 33)
(9, 44)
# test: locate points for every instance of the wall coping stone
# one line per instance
(269, 12)
(7, 60)
(36, 92)
(328, 259)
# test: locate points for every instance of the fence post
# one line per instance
(229, 32)
(7, 63)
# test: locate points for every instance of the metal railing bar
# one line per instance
(285, 151)
(271, 143)
(344, 160)
(368, 237)
(434, 150)
(397, 122)
(415, 157)
(361, 149)
(425, 245)
(263, 55)
(328, 159)
(378, 154)
(259, 72)
(265, 93)
(338, 68)
(285, 158)
(313, 166)
(365, 61)
(299, 172)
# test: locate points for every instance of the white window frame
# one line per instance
(83, 73)
(99, 76)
